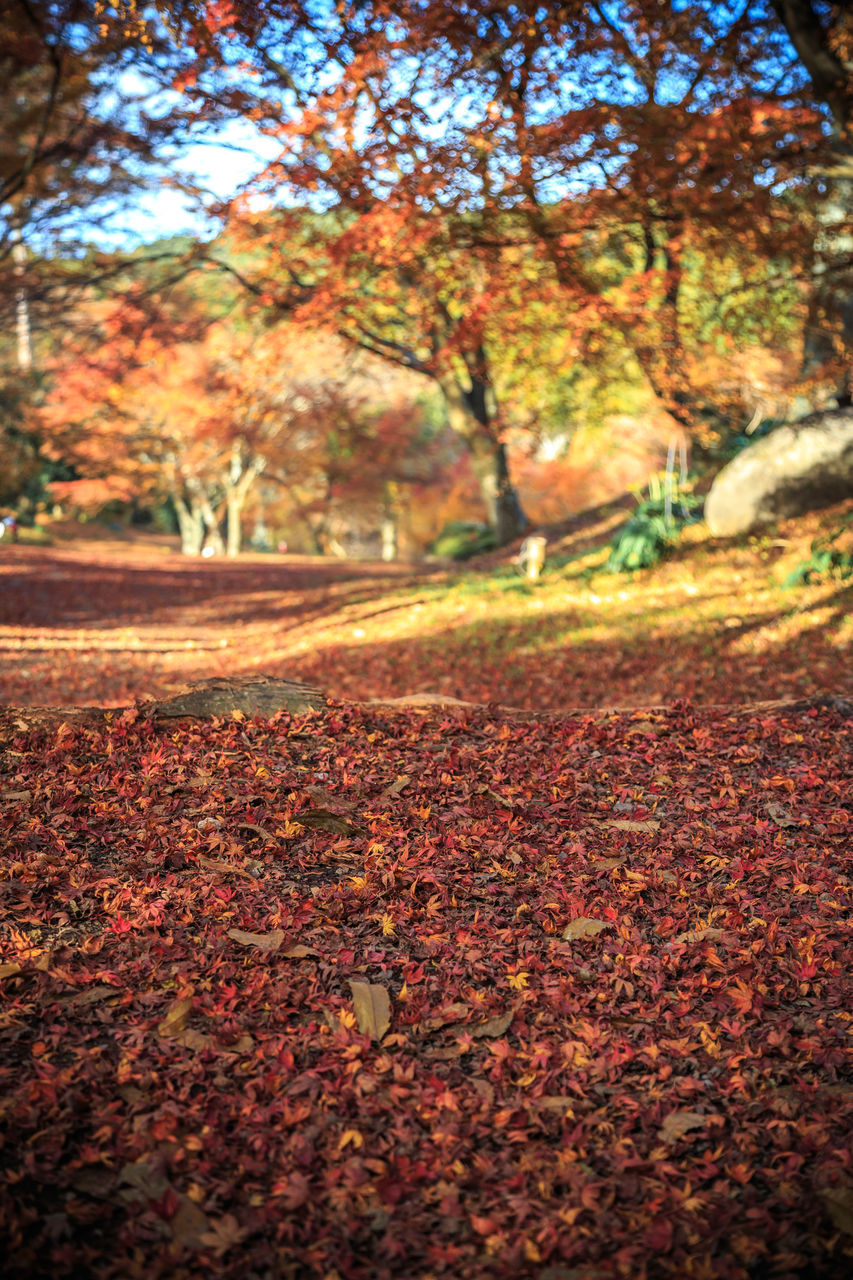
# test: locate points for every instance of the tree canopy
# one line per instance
(491, 195)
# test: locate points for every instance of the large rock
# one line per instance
(801, 467)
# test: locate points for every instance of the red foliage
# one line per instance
(552, 997)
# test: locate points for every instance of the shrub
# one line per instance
(653, 529)
(827, 560)
(463, 538)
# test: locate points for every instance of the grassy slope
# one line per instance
(100, 622)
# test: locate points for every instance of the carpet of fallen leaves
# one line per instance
(428, 993)
(106, 623)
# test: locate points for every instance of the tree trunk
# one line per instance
(190, 525)
(469, 416)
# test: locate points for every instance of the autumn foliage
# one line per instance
(416, 990)
(409, 993)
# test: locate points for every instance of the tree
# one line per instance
(644, 133)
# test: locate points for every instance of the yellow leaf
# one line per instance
(372, 1008)
(584, 927)
(388, 926)
(350, 1137)
(518, 981)
(177, 1017)
(9, 970)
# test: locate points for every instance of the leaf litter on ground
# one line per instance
(471, 1038)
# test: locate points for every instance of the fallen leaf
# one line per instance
(214, 864)
(697, 935)
(372, 1007)
(9, 970)
(192, 1039)
(176, 1018)
(780, 816)
(584, 927)
(839, 1206)
(395, 788)
(677, 1123)
(188, 1223)
(16, 795)
(259, 831)
(626, 824)
(325, 820)
(92, 995)
(263, 941)
(299, 951)
(495, 1026)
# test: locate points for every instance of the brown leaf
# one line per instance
(556, 1102)
(9, 970)
(325, 820)
(697, 935)
(626, 824)
(188, 1223)
(584, 927)
(298, 952)
(259, 831)
(16, 795)
(263, 941)
(780, 816)
(92, 995)
(403, 780)
(839, 1206)
(606, 864)
(192, 1039)
(372, 1007)
(215, 864)
(177, 1017)
(495, 1026)
(677, 1123)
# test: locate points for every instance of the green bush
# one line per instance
(463, 538)
(653, 529)
(827, 560)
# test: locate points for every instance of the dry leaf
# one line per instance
(556, 1102)
(299, 951)
(677, 1123)
(263, 941)
(584, 927)
(325, 820)
(697, 935)
(214, 864)
(403, 780)
(626, 824)
(606, 864)
(839, 1206)
(16, 795)
(188, 1223)
(496, 1026)
(259, 831)
(92, 995)
(780, 816)
(372, 1007)
(192, 1039)
(177, 1017)
(9, 970)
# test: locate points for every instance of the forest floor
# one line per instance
(94, 620)
(420, 991)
